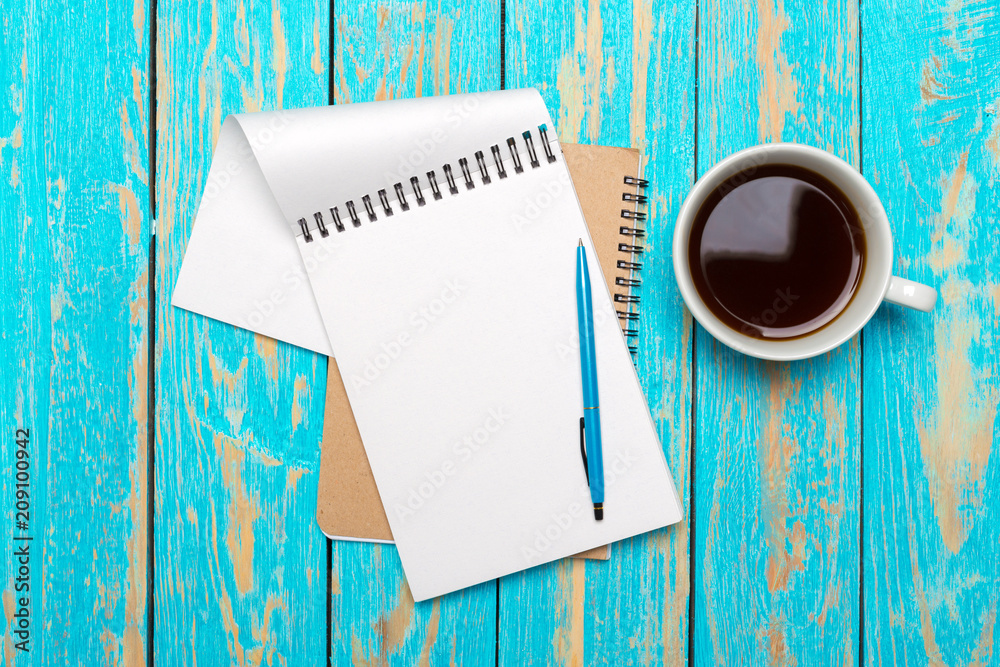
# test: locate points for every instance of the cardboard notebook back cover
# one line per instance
(348, 504)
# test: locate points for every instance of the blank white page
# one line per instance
(455, 330)
(241, 264)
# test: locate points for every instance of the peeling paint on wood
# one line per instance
(620, 75)
(777, 455)
(73, 316)
(240, 561)
(386, 51)
(777, 547)
(931, 381)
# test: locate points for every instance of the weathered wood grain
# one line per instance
(74, 210)
(931, 139)
(240, 562)
(385, 50)
(777, 446)
(620, 75)
(240, 573)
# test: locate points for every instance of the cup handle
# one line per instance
(907, 293)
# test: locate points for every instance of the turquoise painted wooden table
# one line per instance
(842, 510)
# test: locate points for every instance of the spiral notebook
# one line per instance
(431, 243)
(448, 296)
(611, 196)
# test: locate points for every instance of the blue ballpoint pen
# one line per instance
(590, 424)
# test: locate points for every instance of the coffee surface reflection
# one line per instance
(776, 251)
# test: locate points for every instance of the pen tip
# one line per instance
(581, 242)
(599, 511)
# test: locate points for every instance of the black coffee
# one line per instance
(776, 251)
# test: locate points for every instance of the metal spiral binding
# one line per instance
(518, 160)
(628, 310)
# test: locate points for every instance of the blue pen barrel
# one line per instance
(588, 369)
(595, 457)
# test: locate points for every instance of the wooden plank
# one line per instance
(616, 74)
(385, 50)
(777, 445)
(74, 201)
(240, 561)
(932, 151)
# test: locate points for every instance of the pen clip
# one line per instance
(583, 448)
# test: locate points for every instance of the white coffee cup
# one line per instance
(877, 283)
